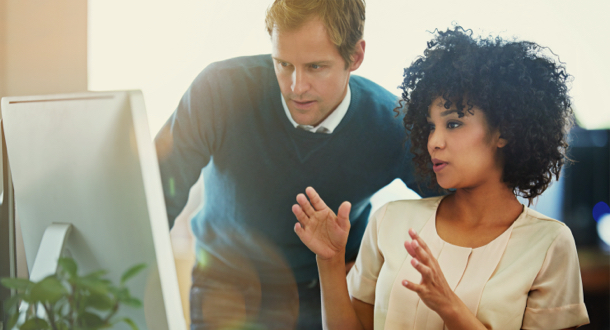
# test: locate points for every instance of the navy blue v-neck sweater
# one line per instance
(231, 124)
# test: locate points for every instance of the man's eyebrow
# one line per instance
(323, 62)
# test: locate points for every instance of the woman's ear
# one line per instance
(502, 142)
(496, 135)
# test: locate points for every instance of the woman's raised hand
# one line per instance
(323, 232)
(433, 289)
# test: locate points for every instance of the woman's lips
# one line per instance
(438, 167)
(438, 164)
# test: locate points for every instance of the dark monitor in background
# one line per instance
(88, 160)
(586, 183)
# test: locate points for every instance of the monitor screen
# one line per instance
(88, 160)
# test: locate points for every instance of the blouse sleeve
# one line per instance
(555, 300)
(362, 278)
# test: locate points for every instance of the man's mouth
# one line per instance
(303, 104)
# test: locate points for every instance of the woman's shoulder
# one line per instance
(534, 231)
(541, 225)
(429, 204)
(407, 213)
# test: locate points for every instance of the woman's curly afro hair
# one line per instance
(522, 92)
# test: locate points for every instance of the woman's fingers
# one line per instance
(424, 270)
(305, 205)
(416, 251)
(317, 202)
(412, 286)
(301, 216)
(410, 249)
(421, 242)
(343, 215)
(298, 228)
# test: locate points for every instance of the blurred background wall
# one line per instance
(43, 46)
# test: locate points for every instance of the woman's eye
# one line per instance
(430, 127)
(453, 125)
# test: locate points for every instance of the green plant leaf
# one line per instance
(120, 293)
(49, 289)
(62, 326)
(12, 303)
(68, 265)
(35, 324)
(96, 274)
(100, 302)
(131, 272)
(91, 320)
(12, 321)
(28, 298)
(131, 301)
(131, 323)
(16, 283)
(92, 285)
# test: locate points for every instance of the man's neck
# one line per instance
(328, 124)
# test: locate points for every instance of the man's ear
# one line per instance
(358, 55)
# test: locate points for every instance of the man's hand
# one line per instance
(323, 232)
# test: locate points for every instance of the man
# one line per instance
(262, 129)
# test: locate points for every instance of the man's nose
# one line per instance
(300, 82)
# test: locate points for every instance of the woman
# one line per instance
(487, 119)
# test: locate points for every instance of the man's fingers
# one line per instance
(317, 202)
(305, 205)
(301, 216)
(343, 214)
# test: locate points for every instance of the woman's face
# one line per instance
(464, 151)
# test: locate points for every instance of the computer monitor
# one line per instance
(88, 160)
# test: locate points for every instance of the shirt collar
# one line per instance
(331, 122)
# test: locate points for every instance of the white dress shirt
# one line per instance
(331, 122)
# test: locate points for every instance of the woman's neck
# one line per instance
(474, 217)
(483, 203)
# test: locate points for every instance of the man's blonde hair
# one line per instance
(343, 20)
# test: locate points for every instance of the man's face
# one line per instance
(310, 71)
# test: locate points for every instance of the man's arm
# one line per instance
(186, 143)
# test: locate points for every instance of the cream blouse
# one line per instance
(526, 278)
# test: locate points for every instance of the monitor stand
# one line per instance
(50, 250)
(45, 264)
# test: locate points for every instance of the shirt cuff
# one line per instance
(555, 318)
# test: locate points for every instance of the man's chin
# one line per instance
(304, 117)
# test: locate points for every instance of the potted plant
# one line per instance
(66, 300)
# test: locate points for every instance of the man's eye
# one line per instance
(315, 66)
